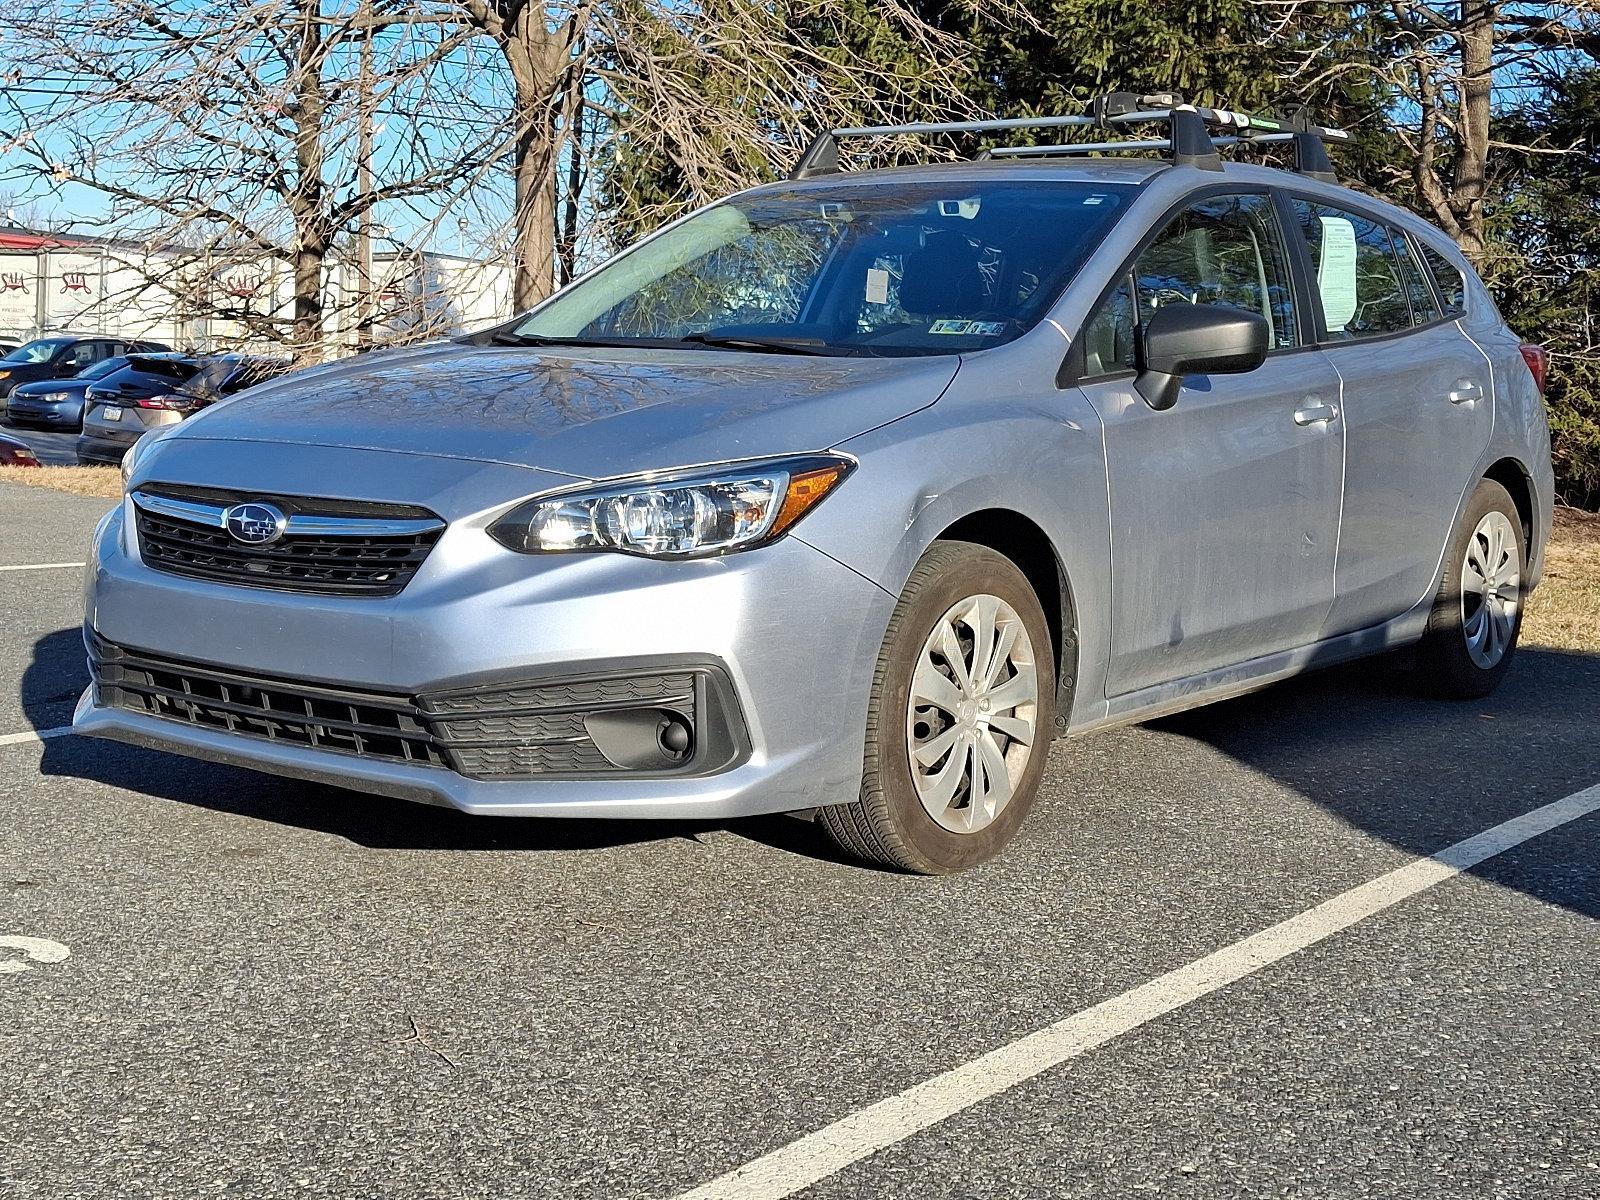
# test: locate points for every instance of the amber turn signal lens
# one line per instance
(805, 490)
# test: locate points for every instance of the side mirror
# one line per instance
(1197, 339)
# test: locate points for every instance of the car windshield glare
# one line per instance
(38, 351)
(868, 269)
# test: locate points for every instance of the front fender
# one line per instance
(1041, 456)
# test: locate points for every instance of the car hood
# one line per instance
(588, 413)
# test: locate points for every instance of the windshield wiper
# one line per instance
(506, 337)
(763, 345)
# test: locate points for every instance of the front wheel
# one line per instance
(961, 715)
(1477, 614)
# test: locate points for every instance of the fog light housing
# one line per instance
(642, 739)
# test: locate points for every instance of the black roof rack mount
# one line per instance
(1189, 141)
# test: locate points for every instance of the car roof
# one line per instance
(1091, 170)
(1174, 180)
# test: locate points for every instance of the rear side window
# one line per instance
(1357, 271)
(1424, 308)
(1452, 287)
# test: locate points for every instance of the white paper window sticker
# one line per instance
(877, 286)
(1336, 272)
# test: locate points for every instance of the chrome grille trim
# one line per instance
(328, 547)
(302, 524)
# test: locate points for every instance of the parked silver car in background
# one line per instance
(848, 493)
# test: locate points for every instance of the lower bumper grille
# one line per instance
(514, 731)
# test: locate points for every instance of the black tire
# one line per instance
(888, 824)
(1444, 667)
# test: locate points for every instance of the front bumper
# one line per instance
(39, 412)
(794, 634)
(105, 448)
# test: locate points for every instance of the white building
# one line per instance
(52, 284)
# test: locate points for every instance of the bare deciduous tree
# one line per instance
(231, 135)
(1445, 65)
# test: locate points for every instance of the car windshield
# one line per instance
(879, 269)
(101, 369)
(37, 351)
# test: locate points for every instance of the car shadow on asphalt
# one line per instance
(58, 673)
(1422, 774)
(1356, 740)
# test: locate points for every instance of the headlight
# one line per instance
(131, 459)
(693, 513)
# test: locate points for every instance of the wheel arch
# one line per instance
(1515, 478)
(1020, 539)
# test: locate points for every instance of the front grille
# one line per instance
(516, 731)
(343, 547)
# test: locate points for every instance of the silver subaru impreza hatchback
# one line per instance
(850, 493)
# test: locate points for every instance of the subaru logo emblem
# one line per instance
(255, 524)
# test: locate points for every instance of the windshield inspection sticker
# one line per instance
(1336, 271)
(877, 286)
(951, 327)
(987, 328)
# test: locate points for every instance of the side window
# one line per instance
(1424, 309)
(1224, 250)
(79, 356)
(1358, 275)
(1452, 287)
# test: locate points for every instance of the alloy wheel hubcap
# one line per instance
(971, 720)
(1491, 589)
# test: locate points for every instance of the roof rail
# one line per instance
(1189, 141)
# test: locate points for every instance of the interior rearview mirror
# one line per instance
(1197, 339)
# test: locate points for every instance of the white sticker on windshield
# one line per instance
(950, 327)
(1336, 272)
(988, 328)
(877, 286)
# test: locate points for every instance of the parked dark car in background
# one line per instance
(161, 389)
(16, 454)
(57, 403)
(63, 355)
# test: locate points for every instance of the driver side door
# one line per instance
(1225, 508)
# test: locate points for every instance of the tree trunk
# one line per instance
(306, 199)
(1472, 157)
(538, 59)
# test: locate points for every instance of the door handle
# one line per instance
(1312, 414)
(1466, 392)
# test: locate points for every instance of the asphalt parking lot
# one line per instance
(275, 989)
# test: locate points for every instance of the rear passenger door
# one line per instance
(1224, 508)
(1415, 393)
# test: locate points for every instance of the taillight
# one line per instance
(170, 402)
(1538, 362)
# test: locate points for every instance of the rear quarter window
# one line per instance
(1447, 278)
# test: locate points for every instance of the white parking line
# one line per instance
(40, 566)
(851, 1138)
(34, 735)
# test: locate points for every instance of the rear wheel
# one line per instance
(1477, 614)
(960, 719)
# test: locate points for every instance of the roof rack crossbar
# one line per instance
(1068, 148)
(1190, 143)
